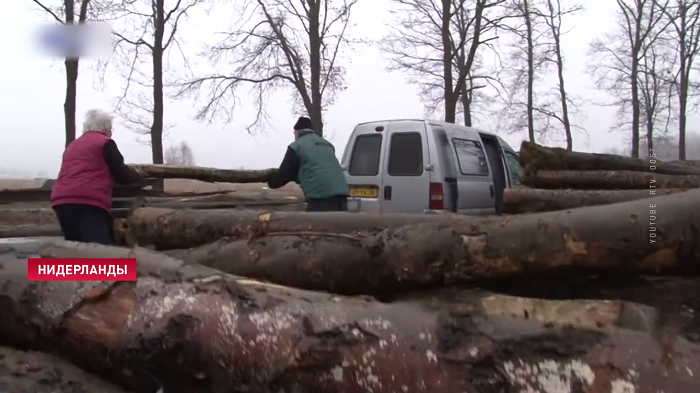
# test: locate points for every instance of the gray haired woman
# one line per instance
(82, 194)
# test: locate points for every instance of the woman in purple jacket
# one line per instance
(82, 194)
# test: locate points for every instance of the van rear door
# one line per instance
(512, 163)
(476, 193)
(406, 183)
(363, 161)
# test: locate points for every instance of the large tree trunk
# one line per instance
(534, 158)
(29, 230)
(644, 236)
(190, 329)
(271, 205)
(212, 175)
(686, 162)
(70, 103)
(35, 372)
(40, 216)
(607, 180)
(170, 229)
(532, 200)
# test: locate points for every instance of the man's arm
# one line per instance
(121, 172)
(288, 171)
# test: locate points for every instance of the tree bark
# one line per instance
(527, 16)
(71, 65)
(69, 105)
(191, 329)
(534, 158)
(607, 180)
(212, 175)
(36, 372)
(40, 216)
(227, 201)
(262, 204)
(555, 22)
(170, 229)
(8, 231)
(531, 200)
(649, 236)
(686, 162)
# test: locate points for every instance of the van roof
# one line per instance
(435, 122)
(443, 124)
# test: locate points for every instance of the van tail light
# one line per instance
(437, 200)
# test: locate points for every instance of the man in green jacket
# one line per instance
(310, 161)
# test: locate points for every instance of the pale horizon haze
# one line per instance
(34, 88)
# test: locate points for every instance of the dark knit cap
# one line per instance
(303, 123)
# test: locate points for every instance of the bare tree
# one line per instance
(684, 16)
(179, 154)
(530, 100)
(278, 43)
(436, 43)
(618, 57)
(526, 60)
(553, 20)
(140, 52)
(66, 15)
(655, 90)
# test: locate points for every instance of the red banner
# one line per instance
(81, 269)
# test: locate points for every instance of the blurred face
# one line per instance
(296, 134)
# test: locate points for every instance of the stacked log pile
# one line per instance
(232, 300)
(188, 328)
(558, 180)
(18, 219)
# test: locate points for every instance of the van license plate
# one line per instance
(364, 192)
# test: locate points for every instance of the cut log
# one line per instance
(35, 372)
(646, 236)
(212, 175)
(190, 329)
(531, 200)
(259, 205)
(30, 231)
(41, 216)
(580, 313)
(534, 158)
(686, 162)
(173, 229)
(607, 180)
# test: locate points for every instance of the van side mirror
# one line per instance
(344, 168)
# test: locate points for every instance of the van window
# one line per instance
(364, 160)
(513, 167)
(471, 157)
(406, 154)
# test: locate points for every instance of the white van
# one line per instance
(419, 166)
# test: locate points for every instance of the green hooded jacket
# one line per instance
(320, 174)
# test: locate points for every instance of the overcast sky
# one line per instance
(33, 92)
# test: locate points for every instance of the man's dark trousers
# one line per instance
(332, 204)
(85, 223)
